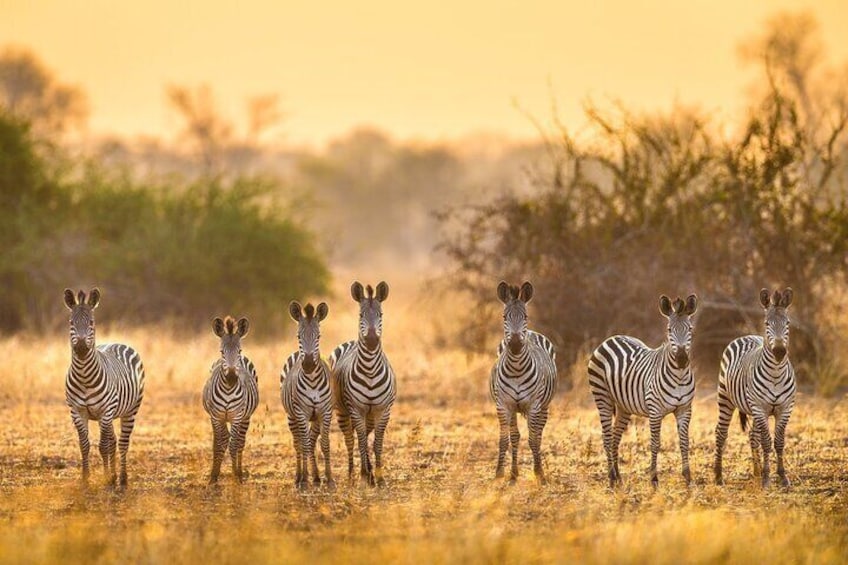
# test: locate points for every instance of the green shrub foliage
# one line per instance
(176, 252)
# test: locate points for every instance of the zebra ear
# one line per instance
(503, 292)
(665, 306)
(70, 299)
(356, 291)
(322, 311)
(295, 311)
(526, 292)
(382, 291)
(243, 327)
(691, 305)
(94, 298)
(218, 327)
(787, 297)
(764, 298)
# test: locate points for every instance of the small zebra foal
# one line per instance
(522, 381)
(757, 378)
(364, 386)
(104, 382)
(230, 396)
(627, 377)
(306, 396)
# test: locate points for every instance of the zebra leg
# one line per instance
(503, 443)
(536, 425)
(347, 431)
(622, 419)
(325, 448)
(683, 415)
(606, 410)
(127, 425)
(314, 433)
(297, 439)
(220, 439)
(365, 472)
(725, 413)
(761, 420)
(379, 433)
(238, 432)
(514, 439)
(656, 427)
(81, 424)
(108, 442)
(779, 441)
(754, 439)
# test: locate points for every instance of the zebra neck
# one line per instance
(773, 368)
(86, 368)
(669, 366)
(368, 359)
(516, 363)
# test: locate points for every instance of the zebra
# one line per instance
(104, 382)
(363, 383)
(757, 378)
(523, 380)
(305, 394)
(627, 377)
(230, 396)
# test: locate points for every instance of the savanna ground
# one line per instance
(441, 504)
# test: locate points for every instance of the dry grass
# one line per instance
(441, 503)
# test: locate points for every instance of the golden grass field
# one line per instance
(441, 504)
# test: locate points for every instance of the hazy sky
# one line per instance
(428, 70)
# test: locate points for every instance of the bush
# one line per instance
(175, 252)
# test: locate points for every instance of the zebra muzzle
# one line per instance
(779, 351)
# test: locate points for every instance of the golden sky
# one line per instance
(423, 70)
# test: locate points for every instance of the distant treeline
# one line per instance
(177, 251)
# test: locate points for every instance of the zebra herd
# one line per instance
(626, 378)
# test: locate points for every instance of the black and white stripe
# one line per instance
(522, 381)
(757, 378)
(230, 396)
(363, 382)
(103, 383)
(306, 396)
(627, 377)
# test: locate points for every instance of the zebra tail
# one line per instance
(743, 421)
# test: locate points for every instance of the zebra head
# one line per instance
(370, 312)
(231, 333)
(515, 301)
(308, 319)
(777, 321)
(82, 319)
(680, 327)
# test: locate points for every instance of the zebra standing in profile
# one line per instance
(363, 382)
(306, 396)
(104, 382)
(757, 377)
(627, 377)
(230, 395)
(523, 380)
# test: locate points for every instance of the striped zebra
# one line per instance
(306, 396)
(757, 378)
(627, 377)
(104, 382)
(230, 395)
(363, 382)
(523, 380)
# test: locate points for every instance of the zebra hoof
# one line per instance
(123, 481)
(687, 476)
(499, 473)
(655, 482)
(381, 482)
(784, 482)
(331, 484)
(719, 480)
(766, 482)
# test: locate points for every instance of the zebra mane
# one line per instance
(678, 305)
(230, 325)
(369, 291)
(81, 297)
(309, 311)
